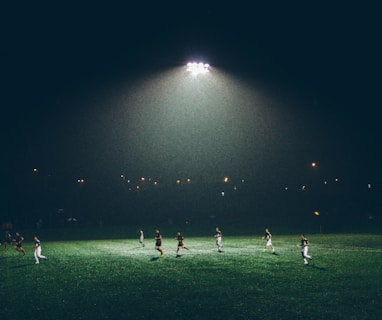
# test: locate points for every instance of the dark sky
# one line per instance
(318, 67)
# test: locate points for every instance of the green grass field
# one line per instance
(118, 279)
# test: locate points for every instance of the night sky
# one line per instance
(99, 90)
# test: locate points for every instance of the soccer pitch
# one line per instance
(120, 279)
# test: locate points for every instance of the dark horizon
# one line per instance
(97, 92)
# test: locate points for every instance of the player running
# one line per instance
(180, 239)
(8, 240)
(304, 249)
(37, 250)
(268, 238)
(158, 242)
(19, 243)
(219, 236)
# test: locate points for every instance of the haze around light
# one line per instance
(175, 124)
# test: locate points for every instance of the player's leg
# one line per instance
(160, 250)
(37, 261)
(40, 255)
(304, 255)
(307, 255)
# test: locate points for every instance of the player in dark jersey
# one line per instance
(8, 240)
(19, 243)
(268, 238)
(304, 249)
(158, 242)
(180, 239)
(219, 237)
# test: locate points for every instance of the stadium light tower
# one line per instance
(198, 68)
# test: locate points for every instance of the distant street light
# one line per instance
(198, 67)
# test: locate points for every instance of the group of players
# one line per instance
(17, 242)
(219, 235)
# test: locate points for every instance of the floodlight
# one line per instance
(198, 67)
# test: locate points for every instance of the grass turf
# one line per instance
(110, 279)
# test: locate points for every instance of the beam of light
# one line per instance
(198, 68)
(182, 127)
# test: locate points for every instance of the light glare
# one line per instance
(198, 68)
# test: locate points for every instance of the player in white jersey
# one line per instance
(268, 238)
(141, 237)
(219, 236)
(304, 249)
(37, 251)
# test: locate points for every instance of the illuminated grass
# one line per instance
(112, 279)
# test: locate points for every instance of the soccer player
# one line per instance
(268, 238)
(219, 236)
(304, 249)
(37, 251)
(141, 237)
(180, 239)
(8, 240)
(19, 243)
(158, 242)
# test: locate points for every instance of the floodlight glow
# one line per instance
(198, 67)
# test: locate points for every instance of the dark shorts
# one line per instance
(158, 243)
(19, 245)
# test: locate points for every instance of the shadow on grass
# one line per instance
(21, 266)
(154, 259)
(315, 267)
